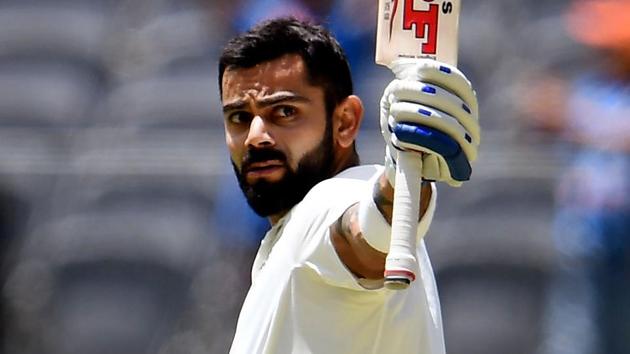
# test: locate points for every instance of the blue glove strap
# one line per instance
(439, 142)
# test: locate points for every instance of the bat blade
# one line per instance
(417, 29)
(412, 29)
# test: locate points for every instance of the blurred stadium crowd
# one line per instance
(122, 229)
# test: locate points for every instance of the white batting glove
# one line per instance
(431, 109)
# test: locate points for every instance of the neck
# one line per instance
(345, 161)
(273, 219)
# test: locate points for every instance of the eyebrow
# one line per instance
(266, 101)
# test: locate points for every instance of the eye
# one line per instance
(238, 117)
(285, 111)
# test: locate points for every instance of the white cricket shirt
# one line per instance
(304, 300)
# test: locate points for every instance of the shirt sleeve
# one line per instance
(326, 206)
(321, 208)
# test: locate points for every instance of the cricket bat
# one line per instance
(411, 29)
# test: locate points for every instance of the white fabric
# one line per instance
(303, 300)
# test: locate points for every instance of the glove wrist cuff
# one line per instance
(390, 169)
(374, 228)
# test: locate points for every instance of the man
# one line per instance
(290, 124)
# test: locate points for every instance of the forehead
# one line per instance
(286, 73)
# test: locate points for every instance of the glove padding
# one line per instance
(432, 109)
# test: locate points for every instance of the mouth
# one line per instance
(270, 170)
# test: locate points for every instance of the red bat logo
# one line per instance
(426, 22)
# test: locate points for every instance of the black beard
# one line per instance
(270, 198)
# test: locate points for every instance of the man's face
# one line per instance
(277, 133)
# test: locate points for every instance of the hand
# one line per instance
(431, 109)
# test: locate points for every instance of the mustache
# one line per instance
(261, 155)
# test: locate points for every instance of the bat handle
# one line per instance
(401, 264)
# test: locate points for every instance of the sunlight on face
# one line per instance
(275, 129)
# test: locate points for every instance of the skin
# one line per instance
(273, 105)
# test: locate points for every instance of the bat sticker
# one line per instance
(417, 29)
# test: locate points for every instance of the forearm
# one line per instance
(383, 195)
(364, 254)
(355, 252)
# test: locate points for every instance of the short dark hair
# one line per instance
(326, 62)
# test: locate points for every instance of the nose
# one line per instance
(258, 135)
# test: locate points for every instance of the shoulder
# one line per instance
(359, 175)
(361, 172)
(336, 194)
(350, 181)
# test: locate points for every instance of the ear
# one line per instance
(346, 120)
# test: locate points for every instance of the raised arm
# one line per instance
(363, 260)
(432, 113)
